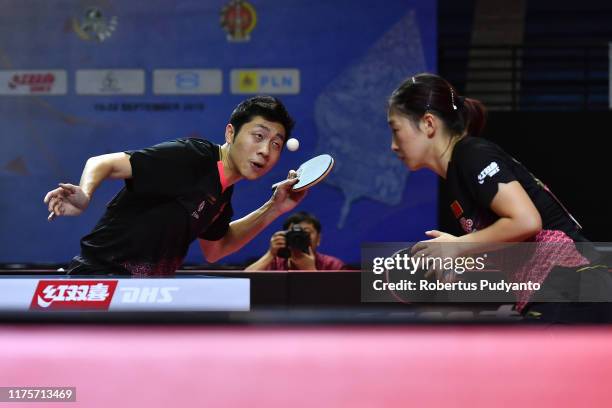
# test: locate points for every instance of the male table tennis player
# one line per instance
(178, 191)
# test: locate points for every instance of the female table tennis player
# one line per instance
(494, 197)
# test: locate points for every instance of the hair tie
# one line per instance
(453, 100)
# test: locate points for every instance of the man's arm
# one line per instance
(69, 199)
(242, 231)
(277, 241)
(99, 168)
(261, 264)
(519, 220)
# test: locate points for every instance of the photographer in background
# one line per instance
(295, 248)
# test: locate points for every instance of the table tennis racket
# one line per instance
(311, 172)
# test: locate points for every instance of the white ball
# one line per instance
(293, 144)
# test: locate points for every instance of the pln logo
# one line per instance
(269, 81)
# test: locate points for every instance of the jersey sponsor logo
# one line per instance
(73, 294)
(269, 81)
(456, 208)
(148, 295)
(491, 170)
(196, 213)
(52, 82)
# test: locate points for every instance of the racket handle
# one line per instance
(279, 183)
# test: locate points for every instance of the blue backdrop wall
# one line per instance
(83, 78)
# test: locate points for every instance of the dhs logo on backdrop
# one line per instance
(35, 82)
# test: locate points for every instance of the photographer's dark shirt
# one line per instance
(176, 194)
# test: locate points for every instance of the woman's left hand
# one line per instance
(441, 246)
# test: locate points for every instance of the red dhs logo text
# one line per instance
(36, 82)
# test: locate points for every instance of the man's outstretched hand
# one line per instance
(284, 199)
(67, 199)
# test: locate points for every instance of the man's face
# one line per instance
(315, 237)
(257, 147)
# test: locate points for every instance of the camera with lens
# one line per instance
(296, 238)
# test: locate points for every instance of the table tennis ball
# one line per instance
(293, 144)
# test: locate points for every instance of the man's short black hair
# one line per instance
(302, 216)
(268, 107)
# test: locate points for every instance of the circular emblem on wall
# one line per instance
(94, 26)
(238, 19)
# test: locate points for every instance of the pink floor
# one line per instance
(173, 366)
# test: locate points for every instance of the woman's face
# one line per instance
(409, 142)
